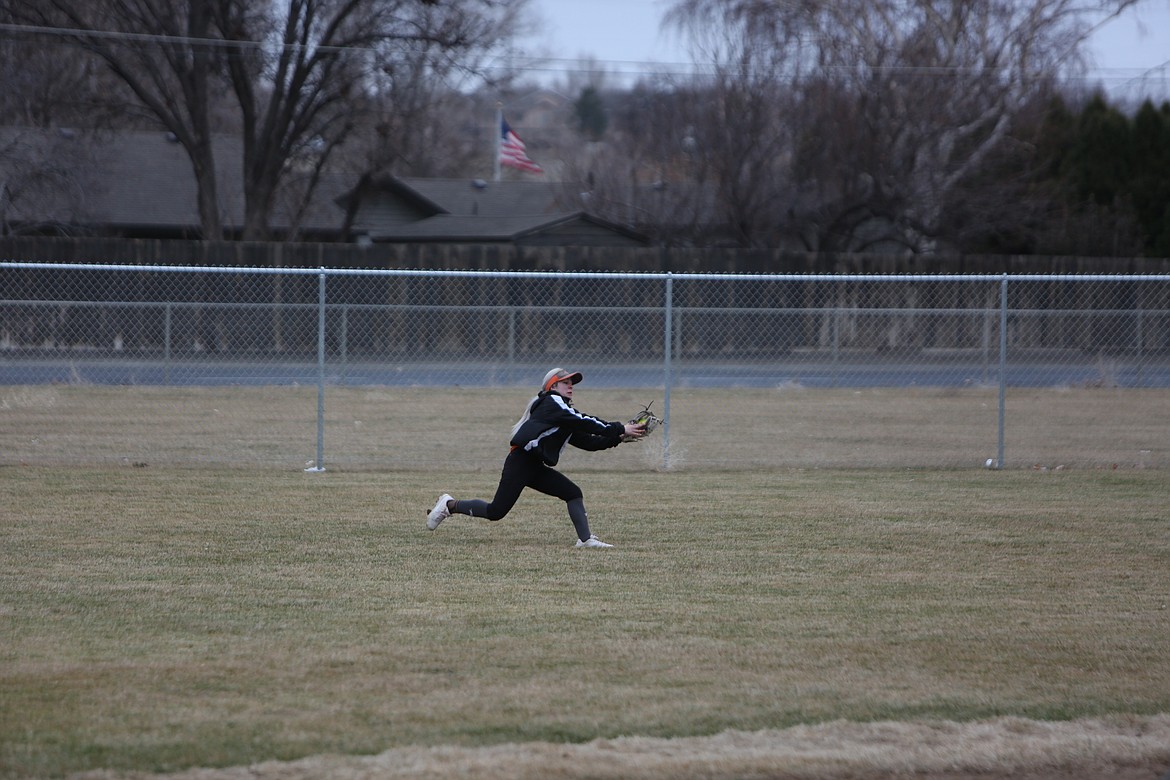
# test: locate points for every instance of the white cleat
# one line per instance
(592, 541)
(440, 512)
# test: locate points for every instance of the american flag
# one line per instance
(512, 151)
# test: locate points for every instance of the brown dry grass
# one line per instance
(464, 428)
(771, 622)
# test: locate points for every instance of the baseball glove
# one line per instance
(646, 419)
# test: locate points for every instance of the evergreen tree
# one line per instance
(1058, 128)
(592, 120)
(1150, 186)
(1099, 162)
(1085, 165)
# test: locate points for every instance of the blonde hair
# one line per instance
(527, 413)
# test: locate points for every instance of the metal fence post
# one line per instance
(1003, 310)
(667, 349)
(320, 464)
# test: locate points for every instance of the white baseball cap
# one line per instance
(560, 375)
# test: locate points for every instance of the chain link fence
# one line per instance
(369, 368)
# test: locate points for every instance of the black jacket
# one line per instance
(553, 422)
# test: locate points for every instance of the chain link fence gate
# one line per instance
(424, 369)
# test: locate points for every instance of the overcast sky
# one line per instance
(626, 32)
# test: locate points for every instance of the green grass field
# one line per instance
(158, 616)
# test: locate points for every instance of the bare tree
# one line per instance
(43, 178)
(745, 131)
(422, 105)
(300, 100)
(298, 70)
(646, 172)
(901, 101)
(706, 159)
(163, 52)
(48, 84)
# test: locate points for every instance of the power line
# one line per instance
(525, 63)
(118, 35)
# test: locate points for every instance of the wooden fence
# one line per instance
(501, 257)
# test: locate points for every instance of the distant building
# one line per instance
(389, 209)
(135, 184)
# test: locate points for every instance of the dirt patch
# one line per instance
(1119, 748)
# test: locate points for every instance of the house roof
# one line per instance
(450, 227)
(478, 229)
(478, 197)
(402, 209)
(465, 197)
(131, 180)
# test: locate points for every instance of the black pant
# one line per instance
(522, 470)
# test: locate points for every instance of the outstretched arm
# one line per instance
(611, 438)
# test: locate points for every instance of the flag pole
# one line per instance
(497, 134)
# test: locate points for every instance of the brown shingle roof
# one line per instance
(490, 198)
(129, 181)
(471, 229)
